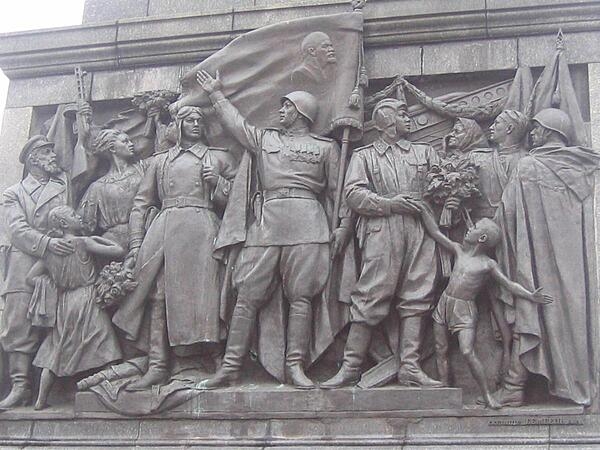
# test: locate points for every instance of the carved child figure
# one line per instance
(82, 337)
(457, 308)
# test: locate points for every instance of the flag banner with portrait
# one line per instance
(261, 66)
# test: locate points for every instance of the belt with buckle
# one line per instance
(185, 202)
(289, 193)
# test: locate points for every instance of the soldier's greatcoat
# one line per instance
(176, 250)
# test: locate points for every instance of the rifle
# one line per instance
(81, 128)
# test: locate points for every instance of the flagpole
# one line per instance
(340, 179)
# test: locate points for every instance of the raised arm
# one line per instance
(103, 247)
(517, 290)
(432, 228)
(248, 135)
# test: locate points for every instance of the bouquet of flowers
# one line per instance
(159, 99)
(456, 179)
(113, 284)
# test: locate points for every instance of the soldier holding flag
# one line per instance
(288, 240)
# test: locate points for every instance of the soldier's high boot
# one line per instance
(19, 369)
(512, 392)
(238, 344)
(410, 372)
(298, 336)
(158, 353)
(357, 345)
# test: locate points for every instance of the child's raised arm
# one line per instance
(434, 231)
(516, 289)
(103, 247)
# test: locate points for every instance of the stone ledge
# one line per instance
(507, 428)
(189, 38)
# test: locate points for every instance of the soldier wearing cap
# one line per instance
(545, 216)
(189, 184)
(27, 205)
(384, 183)
(289, 238)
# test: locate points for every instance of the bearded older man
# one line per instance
(189, 183)
(27, 205)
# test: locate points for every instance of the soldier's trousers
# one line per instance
(399, 265)
(302, 270)
(16, 332)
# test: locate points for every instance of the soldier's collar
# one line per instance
(198, 149)
(381, 146)
(297, 132)
(510, 149)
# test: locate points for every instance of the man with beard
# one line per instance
(384, 186)
(546, 218)
(27, 205)
(190, 184)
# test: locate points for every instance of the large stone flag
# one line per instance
(261, 66)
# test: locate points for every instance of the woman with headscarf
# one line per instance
(175, 270)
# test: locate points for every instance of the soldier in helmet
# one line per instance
(384, 186)
(288, 241)
(544, 215)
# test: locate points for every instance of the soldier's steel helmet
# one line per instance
(34, 142)
(393, 103)
(555, 120)
(305, 103)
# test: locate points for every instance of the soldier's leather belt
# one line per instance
(185, 202)
(289, 193)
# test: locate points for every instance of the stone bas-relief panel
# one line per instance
(285, 237)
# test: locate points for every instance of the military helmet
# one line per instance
(393, 103)
(555, 120)
(35, 142)
(305, 103)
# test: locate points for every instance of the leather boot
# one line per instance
(238, 344)
(410, 372)
(19, 367)
(357, 345)
(157, 373)
(298, 335)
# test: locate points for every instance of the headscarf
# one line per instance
(474, 137)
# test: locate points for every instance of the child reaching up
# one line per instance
(82, 337)
(457, 309)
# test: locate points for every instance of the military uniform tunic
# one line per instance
(398, 257)
(297, 174)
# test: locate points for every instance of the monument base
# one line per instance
(278, 416)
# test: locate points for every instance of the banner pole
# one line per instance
(335, 221)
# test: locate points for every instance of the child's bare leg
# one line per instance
(440, 335)
(46, 381)
(466, 342)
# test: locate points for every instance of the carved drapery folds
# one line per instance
(284, 205)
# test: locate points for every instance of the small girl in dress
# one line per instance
(82, 337)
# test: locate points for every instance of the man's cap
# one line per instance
(34, 142)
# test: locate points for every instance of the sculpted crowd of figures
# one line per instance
(141, 266)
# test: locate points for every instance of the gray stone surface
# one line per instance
(180, 7)
(110, 10)
(268, 401)
(470, 56)
(383, 62)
